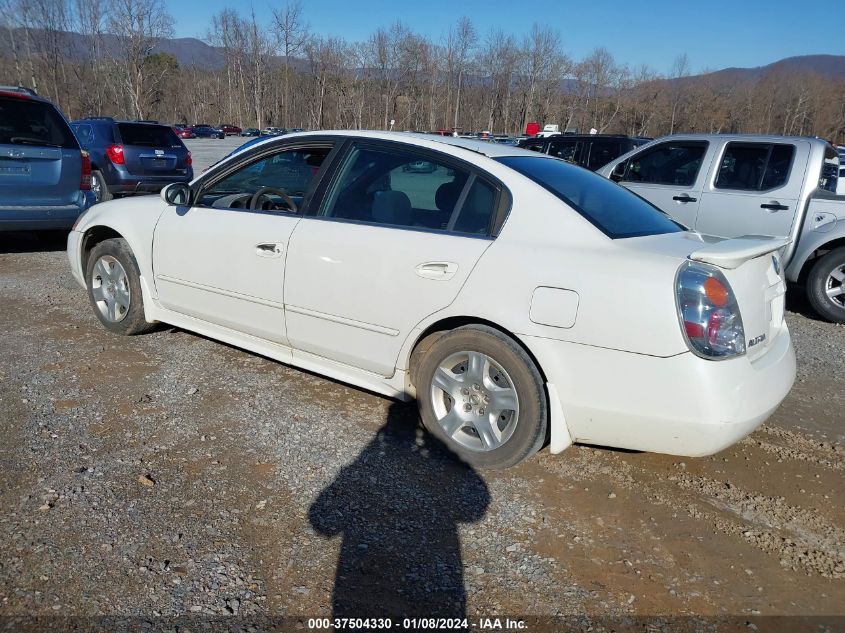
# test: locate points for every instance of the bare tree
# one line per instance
(293, 34)
(139, 25)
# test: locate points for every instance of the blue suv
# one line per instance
(129, 157)
(45, 177)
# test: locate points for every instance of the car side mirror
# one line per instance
(176, 194)
(618, 172)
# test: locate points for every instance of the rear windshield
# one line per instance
(28, 122)
(148, 135)
(614, 210)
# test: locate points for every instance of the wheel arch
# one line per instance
(446, 324)
(803, 266)
(93, 236)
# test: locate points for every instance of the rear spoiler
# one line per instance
(733, 253)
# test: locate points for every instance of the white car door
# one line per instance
(395, 239)
(222, 260)
(670, 176)
(754, 189)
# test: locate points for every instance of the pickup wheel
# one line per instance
(826, 286)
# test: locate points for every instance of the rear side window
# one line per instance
(534, 147)
(401, 188)
(601, 153)
(29, 122)
(614, 210)
(672, 163)
(148, 135)
(85, 133)
(755, 166)
(566, 150)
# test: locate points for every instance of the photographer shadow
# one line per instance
(397, 507)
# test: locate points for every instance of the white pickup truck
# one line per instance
(737, 185)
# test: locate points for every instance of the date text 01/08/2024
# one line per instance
(418, 624)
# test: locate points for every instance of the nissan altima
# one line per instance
(520, 299)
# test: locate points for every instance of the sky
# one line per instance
(714, 35)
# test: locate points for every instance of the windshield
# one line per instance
(614, 210)
(28, 122)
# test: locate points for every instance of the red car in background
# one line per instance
(229, 130)
(183, 131)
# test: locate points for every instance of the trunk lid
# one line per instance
(752, 267)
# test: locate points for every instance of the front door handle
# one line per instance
(774, 205)
(441, 271)
(684, 197)
(269, 249)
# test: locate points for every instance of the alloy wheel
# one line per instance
(474, 400)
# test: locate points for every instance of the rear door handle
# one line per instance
(269, 249)
(774, 206)
(684, 198)
(440, 271)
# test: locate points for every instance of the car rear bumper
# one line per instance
(681, 405)
(44, 217)
(146, 184)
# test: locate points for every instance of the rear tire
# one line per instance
(113, 280)
(826, 286)
(101, 190)
(481, 394)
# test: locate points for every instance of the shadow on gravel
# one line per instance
(32, 241)
(397, 507)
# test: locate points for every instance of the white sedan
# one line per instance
(521, 299)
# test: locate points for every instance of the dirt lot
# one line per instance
(169, 475)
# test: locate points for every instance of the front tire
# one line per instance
(114, 288)
(826, 286)
(481, 394)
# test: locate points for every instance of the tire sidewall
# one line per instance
(134, 321)
(816, 286)
(105, 195)
(530, 432)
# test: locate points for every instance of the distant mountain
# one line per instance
(192, 52)
(828, 66)
(188, 51)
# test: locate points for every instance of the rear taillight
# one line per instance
(709, 313)
(115, 154)
(189, 161)
(85, 175)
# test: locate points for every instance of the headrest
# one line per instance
(392, 207)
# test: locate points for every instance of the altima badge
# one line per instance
(757, 341)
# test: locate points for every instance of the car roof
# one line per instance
(486, 148)
(748, 138)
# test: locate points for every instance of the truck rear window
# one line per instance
(148, 135)
(30, 122)
(614, 210)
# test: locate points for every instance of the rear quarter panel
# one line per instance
(625, 299)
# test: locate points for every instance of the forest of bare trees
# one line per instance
(283, 72)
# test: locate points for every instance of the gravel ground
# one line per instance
(168, 475)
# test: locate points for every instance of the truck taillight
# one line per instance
(189, 161)
(115, 154)
(85, 175)
(709, 313)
